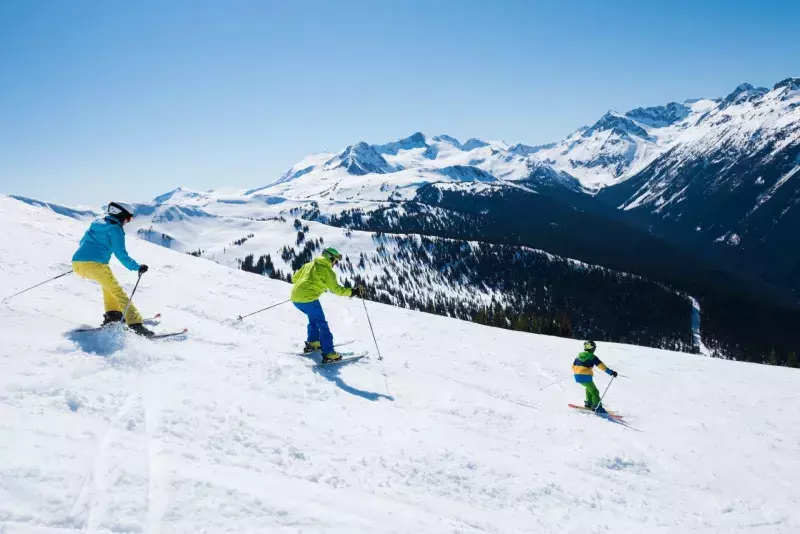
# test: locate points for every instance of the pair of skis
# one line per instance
(610, 415)
(346, 357)
(149, 320)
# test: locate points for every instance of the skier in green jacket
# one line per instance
(310, 282)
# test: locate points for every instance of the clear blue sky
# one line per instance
(120, 100)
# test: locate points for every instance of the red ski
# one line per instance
(612, 415)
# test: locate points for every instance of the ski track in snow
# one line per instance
(224, 432)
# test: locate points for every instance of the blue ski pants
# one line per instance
(318, 329)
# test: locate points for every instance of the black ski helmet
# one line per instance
(120, 211)
(589, 346)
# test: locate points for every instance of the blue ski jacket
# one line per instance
(103, 238)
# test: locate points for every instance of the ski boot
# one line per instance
(112, 317)
(311, 346)
(331, 357)
(588, 405)
(600, 409)
(140, 330)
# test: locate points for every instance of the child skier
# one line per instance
(582, 369)
(104, 237)
(310, 282)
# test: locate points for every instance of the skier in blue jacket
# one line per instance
(105, 237)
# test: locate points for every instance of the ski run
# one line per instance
(459, 429)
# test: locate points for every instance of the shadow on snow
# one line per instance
(103, 342)
(331, 373)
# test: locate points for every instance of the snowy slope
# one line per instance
(226, 432)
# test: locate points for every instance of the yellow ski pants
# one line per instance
(114, 297)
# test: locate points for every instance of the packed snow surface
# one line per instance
(460, 428)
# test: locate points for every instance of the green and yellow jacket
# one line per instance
(313, 279)
(583, 364)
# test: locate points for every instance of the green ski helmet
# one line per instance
(589, 346)
(331, 254)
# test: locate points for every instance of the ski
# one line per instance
(612, 415)
(169, 334)
(156, 336)
(344, 360)
(149, 321)
(82, 330)
(336, 346)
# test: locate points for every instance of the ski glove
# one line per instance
(614, 374)
(358, 291)
(143, 269)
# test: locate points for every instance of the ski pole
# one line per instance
(37, 285)
(385, 378)
(130, 299)
(364, 302)
(604, 394)
(264, 309)
(553, 383)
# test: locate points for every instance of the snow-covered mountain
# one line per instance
(732, 179)
(613, 150)
(396, 170)
(704, 173)
(758, 125)
(618, 146)
(461, 428)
